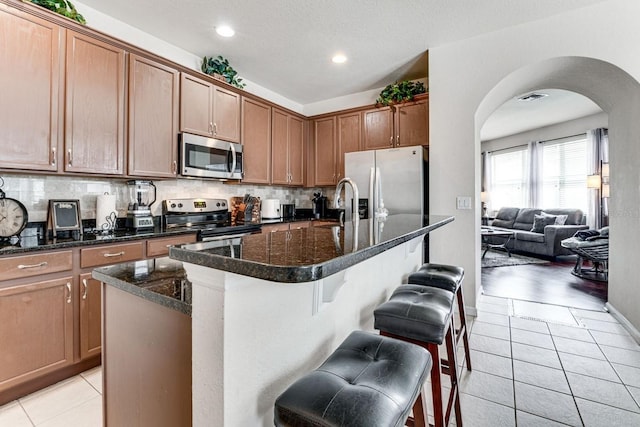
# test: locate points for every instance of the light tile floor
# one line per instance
(534, 365)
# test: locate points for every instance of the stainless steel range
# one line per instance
(209, 217)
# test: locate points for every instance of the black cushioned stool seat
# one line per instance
(422, 315)
(369, 380)
(447, 277)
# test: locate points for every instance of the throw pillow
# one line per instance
(559, 219)
(541, 221)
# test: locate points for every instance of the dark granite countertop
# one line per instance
(307, 254)
(36, 242)
(160, 280)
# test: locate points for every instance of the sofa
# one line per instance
(538, 231)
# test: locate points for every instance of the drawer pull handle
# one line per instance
(108, 255)
(41, 264)
(68, 293)
(86, 288)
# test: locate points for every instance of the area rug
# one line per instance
(501, 259)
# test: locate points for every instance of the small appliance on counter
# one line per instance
(142, 194)
(319, 205)
(287, 210)
(270, 209)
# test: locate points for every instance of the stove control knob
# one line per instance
(179, 205)
(173, 205)
(218, 204)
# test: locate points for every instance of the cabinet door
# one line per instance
(412, 124)
(378, 128)
(196, 105)
(153, 118)
(30, 70)
(36, 330)
(349, 136)
(256, 141)
(296, 150)
(279, 147)
(226, 115)
(90, 316)
(324, 150)
(94, 117)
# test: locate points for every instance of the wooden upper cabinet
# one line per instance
(153, 118)
(208, 110)
(196, 105)
(29, 110)
(287, 149)
(226, 115)
(279, 147)
(412, 124)
(95, 102)
(36, 330)
(296, 150)
(324, 142)
(349, 139)
(378, 128)
(256, 141)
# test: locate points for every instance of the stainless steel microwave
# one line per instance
(210, 158)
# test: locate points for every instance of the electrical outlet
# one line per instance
(463, 202)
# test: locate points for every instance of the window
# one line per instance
(564, 173)
(509, 178)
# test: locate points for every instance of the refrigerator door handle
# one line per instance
(372, 195)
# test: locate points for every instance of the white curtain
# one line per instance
(534, 174)
(597, 153)
(486, 177)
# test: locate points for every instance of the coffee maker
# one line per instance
(319, 205)
(142, 194)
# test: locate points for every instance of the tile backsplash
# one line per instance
(35, 191)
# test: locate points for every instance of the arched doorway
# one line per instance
(618, 94)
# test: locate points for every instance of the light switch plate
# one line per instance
(463, 202)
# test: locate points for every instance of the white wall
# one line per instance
(469, 79)
(559, 130)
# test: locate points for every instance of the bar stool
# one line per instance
(448, 277)
(423, 315)
(369, 380)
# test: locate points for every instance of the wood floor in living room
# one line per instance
(550, 283)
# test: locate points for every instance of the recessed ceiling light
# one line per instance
(225, 31)
(339, 58)
(533, 96)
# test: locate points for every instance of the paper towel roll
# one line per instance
(105, 205)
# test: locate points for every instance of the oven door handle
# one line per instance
(224, 237)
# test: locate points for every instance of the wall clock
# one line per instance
(13, 215)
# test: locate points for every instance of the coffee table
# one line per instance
(486, 232)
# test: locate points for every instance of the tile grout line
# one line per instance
(26, 413)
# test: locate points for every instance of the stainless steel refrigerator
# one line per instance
(395, 179)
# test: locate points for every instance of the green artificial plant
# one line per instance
(62, 7)
(400, 92)
(221, 66)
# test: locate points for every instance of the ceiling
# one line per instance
(515, 116)
(286, 45)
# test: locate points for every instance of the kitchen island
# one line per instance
(267, 308)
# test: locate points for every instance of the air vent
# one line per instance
(532, 96)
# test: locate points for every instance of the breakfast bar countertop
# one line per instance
(307, 254)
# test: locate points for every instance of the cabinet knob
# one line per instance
(215, 129)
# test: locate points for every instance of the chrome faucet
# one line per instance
(356, 196)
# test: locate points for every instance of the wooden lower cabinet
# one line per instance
(36, 330)
(146, 362)
(90, 316)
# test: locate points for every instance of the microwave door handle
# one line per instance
(233, 159)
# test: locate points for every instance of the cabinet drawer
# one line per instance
(270, 228)
(35, 265)
(160, 247)
(111, 254)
